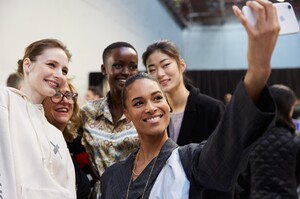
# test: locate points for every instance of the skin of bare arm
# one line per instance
(261, 42)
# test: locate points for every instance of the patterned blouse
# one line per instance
(105, 142)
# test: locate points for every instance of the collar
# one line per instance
(26, 98)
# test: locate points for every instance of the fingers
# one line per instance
(259, 10)
(264, 11)
(239, 15)
(261, 42)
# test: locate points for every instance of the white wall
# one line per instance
(88, 26)
(225, 47)
(85, 26)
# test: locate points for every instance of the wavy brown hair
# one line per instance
(71, 130)
(37, 48)
(285, 99)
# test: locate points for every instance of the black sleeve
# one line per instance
(218, 164)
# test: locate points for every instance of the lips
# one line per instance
(164, 82)
(52, 84)
(62, 110)
(153, 119)
(122, 80)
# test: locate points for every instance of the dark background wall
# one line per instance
(217, 83)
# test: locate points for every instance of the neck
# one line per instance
(61, 127)
(178, 99)
(151, 146)
(115, 96)
(34, 97)
(115, 108)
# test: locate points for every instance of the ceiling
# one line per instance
(189, 13)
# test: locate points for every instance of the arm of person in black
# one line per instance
(250, 112)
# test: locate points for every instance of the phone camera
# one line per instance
(289, 7)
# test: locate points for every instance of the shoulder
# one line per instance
(116, 170)
(5, 90)
(94, 107)
(6, 94)
(187, 152)
(278, 137)
(202, 100)
(3, 96)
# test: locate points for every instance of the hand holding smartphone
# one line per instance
(286, 16)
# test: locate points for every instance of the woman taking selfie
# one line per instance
(161, 169)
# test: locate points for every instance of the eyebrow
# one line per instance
(159, 62)
(52, 60)
(138, 98)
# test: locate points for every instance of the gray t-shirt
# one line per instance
(175, 125)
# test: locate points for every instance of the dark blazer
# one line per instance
(201, 116)
(214, 166)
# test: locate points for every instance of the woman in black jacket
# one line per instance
(274, 163)
(190, 109)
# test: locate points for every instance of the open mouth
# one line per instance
(122, 80)
(153, 119)
(62, 110)
(52, 84)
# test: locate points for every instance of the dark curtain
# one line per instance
(217, 83)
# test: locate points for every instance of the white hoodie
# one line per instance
(34, 159)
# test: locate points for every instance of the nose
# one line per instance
(58, 72)
(125, 70)
(65, 100)
(160, 72)
(150, 108)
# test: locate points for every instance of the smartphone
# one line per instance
(286, 16)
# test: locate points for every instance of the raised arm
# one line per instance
(261, 42)
(250, 111)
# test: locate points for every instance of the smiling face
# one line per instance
(59, 114)
(46, 75)
(118, 66)
(166, 70)
(146, 107)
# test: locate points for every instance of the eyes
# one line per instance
(157, 98)
(153, 69)
(54, 66)
(119, 66)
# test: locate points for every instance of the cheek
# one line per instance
(134, 72)
(173, 70)
(63, 81)
(71, 112)
(50, 114)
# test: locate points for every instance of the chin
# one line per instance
(51, 92)
(62, 120)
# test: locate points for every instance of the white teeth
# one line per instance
(153, 119)
(53, 84)
(65, 110)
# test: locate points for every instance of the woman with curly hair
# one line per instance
(62, 111)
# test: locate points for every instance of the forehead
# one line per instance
(122, 52)
(157, 57)
(142, 87)
(65, 88)
(55, 54)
